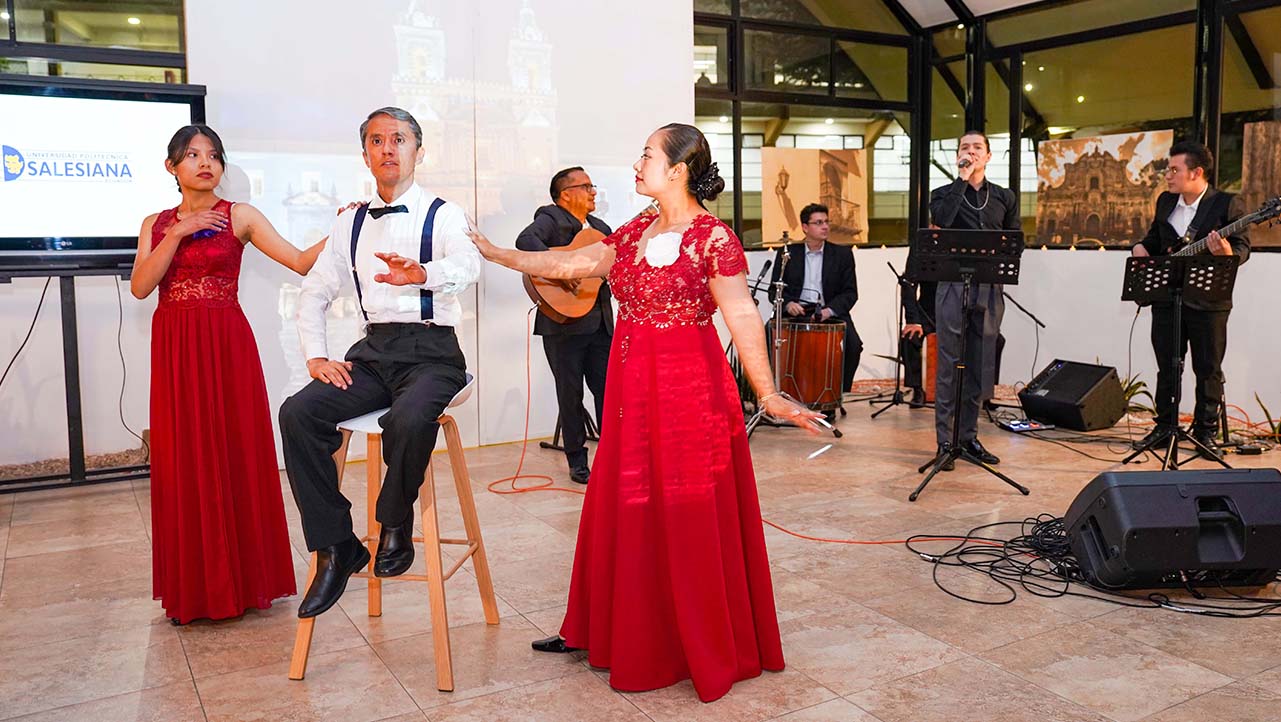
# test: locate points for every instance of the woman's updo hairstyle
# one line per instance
(181, 141)
(686, 144)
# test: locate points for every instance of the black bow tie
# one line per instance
(376, 213)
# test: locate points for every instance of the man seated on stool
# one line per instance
(579, 349)
(918, 314)
(412, 259)
(820, 284)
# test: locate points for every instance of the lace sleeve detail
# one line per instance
(626, 230)
(723, 254)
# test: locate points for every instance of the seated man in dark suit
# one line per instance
(918, 314)
(820, 283)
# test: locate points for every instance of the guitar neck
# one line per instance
(1202, 245)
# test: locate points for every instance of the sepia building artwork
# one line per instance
(1261, 176)
(796, 177)
(1099, 190)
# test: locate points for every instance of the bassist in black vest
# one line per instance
(1189, 210)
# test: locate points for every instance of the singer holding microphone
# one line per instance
(820, 285)
(971, 201)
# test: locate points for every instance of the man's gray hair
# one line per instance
(395, 114)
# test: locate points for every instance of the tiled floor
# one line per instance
(866, 634)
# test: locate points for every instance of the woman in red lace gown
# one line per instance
(219, 540)
(671, 579)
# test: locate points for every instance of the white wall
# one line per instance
(507, 91)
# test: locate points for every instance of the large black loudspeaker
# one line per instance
(1153, 529)
(1074, 395)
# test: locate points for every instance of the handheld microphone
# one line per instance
(964, 163)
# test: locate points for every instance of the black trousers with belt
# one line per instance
(1206, 332)
(412, 368)
(574, 359)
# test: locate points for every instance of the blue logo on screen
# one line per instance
(13, 162)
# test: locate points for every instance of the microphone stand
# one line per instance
(777, 345)
(896, 397)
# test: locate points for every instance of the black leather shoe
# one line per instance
(395, 549)
(1206, 439)
(918, 398)
(950, 464)
(554, 644)
(334, 565)
(580, 473)
(975, 449)
(1157, 435)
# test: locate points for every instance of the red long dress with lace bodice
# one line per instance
(219, 540)
(671, 580)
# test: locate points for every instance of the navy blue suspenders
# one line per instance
(424, 256)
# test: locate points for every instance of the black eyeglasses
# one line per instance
(585, 186)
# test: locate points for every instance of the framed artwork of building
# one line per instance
(792, 178)
(1261, 176)
(1099, 191)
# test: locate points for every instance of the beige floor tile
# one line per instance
(90, 503)
(968, 689)
(261, 637)
(1235, 647)
(853, 648)
(1105, 672)
(175, 702)
(535, 583)
(1241, 702)
(837, 710)
(406, 608)
(486, 659)
(58, 674)
(57, 574)
(581, 697)
(76, 533)
(31, 620)
(750, 700)
(348, 686)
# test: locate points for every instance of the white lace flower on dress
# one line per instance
(663, 249)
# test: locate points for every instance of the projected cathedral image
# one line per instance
(687, 360)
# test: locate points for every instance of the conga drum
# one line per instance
(812, 363)
(929, 365)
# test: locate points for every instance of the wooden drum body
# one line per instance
(812, 363)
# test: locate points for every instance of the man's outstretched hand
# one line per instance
(401, 271)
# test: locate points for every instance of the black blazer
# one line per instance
(554, 226)
(1217, 209)
(840, 286)
(918, 303)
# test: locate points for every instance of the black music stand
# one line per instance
(1173, 279)
(968, 257)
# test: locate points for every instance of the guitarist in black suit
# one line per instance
(579, 349)
(820, 284)
(1191, 209)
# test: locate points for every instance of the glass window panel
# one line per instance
(718, 7)
(950, 41)
(871, 15)
(1077, 16)
(711, 57)
(871, 72)
(1249, 159)
(99, 71)
(786, 62)
(715, 119)
(143, 25)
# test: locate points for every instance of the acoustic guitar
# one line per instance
(561, 300)
(564, 301)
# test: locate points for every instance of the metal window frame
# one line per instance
(11, 47)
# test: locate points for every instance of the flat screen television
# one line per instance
(81, 164)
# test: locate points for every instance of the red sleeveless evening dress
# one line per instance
(671, 580)
(219, 540)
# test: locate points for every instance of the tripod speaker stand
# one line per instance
(967, 257)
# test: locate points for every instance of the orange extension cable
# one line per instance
(548, 481)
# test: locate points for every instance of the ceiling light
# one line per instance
(954, 115)
(858, 85)
(829, 121)
(960, 26)
(1025, 62)
(135, 21)
(4, 16)
(1080, 98)
(1040, 68)
(1028, 87)
(724, 119)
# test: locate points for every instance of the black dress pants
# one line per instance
(413, 368)
(573, 359)
(1206, 332)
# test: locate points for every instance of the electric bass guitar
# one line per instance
(1268, 211)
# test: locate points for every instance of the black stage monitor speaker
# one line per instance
(1157, 529)
(1074, 395)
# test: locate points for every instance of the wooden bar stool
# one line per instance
(436, 574)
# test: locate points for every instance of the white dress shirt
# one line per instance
(812, 288)
(1182, 215)
(454, 265)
